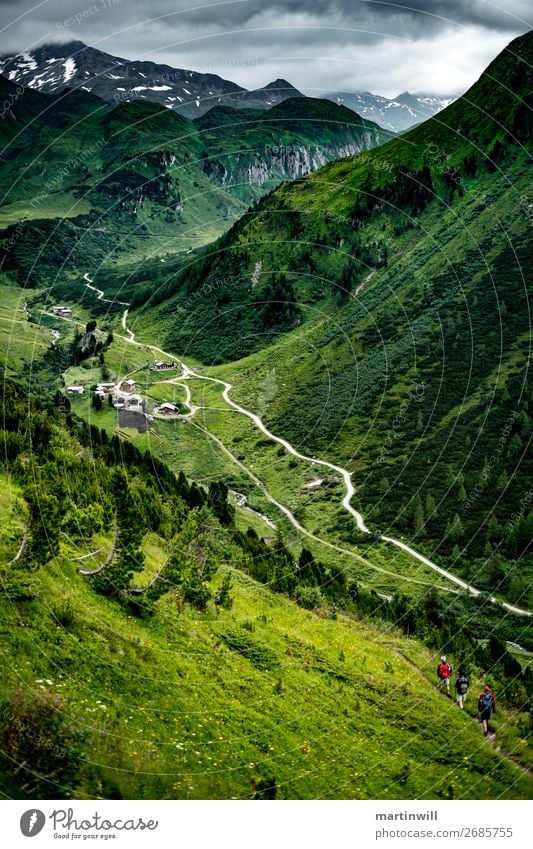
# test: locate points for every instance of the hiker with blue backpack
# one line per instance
(461, 688)
(486, 706)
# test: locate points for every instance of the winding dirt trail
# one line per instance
(100, 294)
(193, 409)
(350, 490)
(294, 521)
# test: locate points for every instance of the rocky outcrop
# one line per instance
(87, 344)
(278, 163)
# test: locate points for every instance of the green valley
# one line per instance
(143, 181)
(379, 290)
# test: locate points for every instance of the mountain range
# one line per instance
(53, 67)
(395, 114)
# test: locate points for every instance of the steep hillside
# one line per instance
(389, 292)
(155, 652)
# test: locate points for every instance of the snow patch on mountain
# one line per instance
(28, 62)
(70, 69)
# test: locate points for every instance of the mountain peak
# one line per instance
(279, 83)
(394, 114)
(57, 48)
(73, 44)
(406, 97)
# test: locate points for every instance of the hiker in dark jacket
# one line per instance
(444, 673)
(486, 705)
(461, 688)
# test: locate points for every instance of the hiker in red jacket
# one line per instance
(486, 705)
(444, 673)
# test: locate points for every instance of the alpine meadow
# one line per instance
(266, 427)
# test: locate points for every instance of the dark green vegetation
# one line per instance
(83, 184)
(145, 660)
(390, 292)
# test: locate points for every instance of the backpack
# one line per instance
(462, 685)
(485, 701)
(444, 670)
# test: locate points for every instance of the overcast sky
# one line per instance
(436, 46)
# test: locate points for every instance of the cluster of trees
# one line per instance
(276, 304)
(308, 581)
(408, 190)
(46, 250)
(145, 178)
(477, 515)
(78, 481)
(364, 257)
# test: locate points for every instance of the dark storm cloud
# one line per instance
(432, 45)
(424, 15)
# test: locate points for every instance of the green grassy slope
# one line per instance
(189, 706)
(22, 341)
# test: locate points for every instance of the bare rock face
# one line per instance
(87, 344)
(285, 162)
